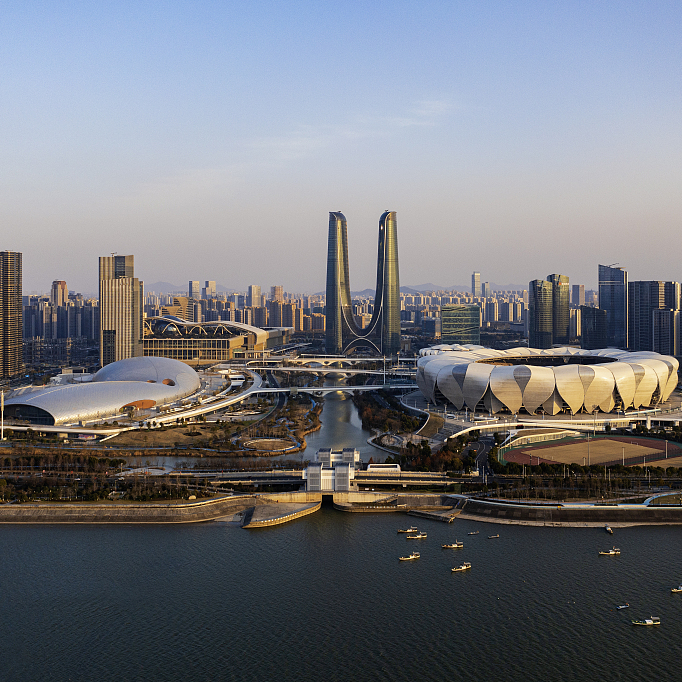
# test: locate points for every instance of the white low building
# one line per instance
(332, 470)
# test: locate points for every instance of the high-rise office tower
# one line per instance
(253, 298)
(486, 291)
(560, 308)
(575, 328)
(194, 290)
(666, 332)
(382, 334)
(593, 327)
(11, 317)
(540, 314)
(672, 292)
(121, 301)
(460, 324)
(644, 298)
(277, 294)
(613, 297)
(476, 285)
(59, 294)
(578, 295)
(209, 290)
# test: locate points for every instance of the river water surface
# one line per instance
(325, 598)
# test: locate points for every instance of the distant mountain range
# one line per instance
(421, 288)
(168, 288)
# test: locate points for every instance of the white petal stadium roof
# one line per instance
(557, 379)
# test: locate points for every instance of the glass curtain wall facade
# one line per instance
(382, 334)
(540, 314)
(560, 308)
(593, 328)
(460, 324)
(11, 315)
(643, 298)
(666, 332)
(613, 298)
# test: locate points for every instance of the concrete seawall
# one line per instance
(116, 512)
(369, 508)
(394, 503)
(267, 515)
(560, 515)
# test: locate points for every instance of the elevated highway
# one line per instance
(334, 370)
(363, 479)
(327, 360)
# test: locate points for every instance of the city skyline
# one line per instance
(132, 129)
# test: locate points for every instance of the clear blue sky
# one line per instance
(210, 139)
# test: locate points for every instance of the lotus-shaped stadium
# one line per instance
(556, 380)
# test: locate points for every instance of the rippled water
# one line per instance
(325, 598)
(341, 428)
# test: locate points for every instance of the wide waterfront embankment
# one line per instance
(266, 515)
(257, 511)
(558, 514)
(251, 511)
(124, 512)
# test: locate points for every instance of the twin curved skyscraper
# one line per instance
(382, 334)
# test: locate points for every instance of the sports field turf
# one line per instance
(601, 450)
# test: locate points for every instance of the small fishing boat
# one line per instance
(623, 606)
(463, 567)
(473, 532)
(610, 552)
(609, 530)
(418, 536)
(455, 545)
(492, 537)
(653, 620)
(676, 589)
(411, 529)
(414, 555)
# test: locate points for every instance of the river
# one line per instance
(325, 598)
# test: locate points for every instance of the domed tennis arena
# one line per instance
(557, 380)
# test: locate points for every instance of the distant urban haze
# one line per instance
(213, 139)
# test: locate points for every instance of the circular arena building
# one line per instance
(555, 380)
(119, 388)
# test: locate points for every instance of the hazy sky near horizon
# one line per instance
(211, 139)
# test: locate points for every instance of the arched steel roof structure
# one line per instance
(142, 382)
(170, 326)
(556, 380)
